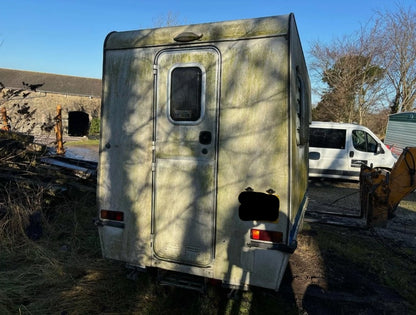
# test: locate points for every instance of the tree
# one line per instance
(397, 36)
(352, 79)
(171, 19)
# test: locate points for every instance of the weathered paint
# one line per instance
(251, 71)
(211, 32)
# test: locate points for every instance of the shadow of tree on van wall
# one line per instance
(237, 142)
(245, 122)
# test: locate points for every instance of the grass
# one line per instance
(368, 252)
(63, 272)
(83, 142)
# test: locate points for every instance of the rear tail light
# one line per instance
(268, 236)
(112, 215)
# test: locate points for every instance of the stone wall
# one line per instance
(35, 113)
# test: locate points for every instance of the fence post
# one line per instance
(58, 131)
(6, 126)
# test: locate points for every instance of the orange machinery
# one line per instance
(382, 189)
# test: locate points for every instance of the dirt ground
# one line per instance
(320, 281)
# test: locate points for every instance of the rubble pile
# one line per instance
(22, 160)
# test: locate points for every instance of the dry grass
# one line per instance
(63, 271)
(35, 276)
(19, 203)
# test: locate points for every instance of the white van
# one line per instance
(337, 150)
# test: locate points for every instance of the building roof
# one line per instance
(404, 116)
(53, 83)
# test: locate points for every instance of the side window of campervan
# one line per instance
(301, 112)
(185, 100)
(362, 141)
(327, 138)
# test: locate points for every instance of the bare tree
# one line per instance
(397, 36)
(171, 19)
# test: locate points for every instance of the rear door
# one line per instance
(185, 155)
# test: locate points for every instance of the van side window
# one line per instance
(301, 111)
(362, 141)
(185, 94)
(327, 138)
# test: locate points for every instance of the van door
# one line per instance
(185, 155)
(328, 152)
(367, 149)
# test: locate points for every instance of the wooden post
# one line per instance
(6, 126)
(58, 131)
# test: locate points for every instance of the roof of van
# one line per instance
(206, 32)
(334, 124)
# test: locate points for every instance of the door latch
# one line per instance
(205, 137)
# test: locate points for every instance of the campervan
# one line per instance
(337, 150)
(203, 165)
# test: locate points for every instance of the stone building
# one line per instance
(31, 100)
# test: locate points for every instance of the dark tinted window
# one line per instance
(185, 94)
(362, 141)
(327, 138)
(302, 123)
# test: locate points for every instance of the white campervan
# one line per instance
(337, 150)
(203, 166)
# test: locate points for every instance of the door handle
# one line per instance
(205, 137)
(351, 154)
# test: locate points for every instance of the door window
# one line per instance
(362, 141)
(185, 99)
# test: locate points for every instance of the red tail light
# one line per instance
(112, 215)
(263, 235)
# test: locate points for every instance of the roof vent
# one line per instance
(187, 37)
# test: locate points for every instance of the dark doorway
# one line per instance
(78, 123)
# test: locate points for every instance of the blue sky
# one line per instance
(66, 36)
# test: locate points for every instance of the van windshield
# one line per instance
(327, 138)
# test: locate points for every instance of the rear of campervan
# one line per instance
(203, 151)
(337, 150)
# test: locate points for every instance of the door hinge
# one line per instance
(154, 69)
(153, 166)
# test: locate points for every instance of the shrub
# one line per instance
(94, 127)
